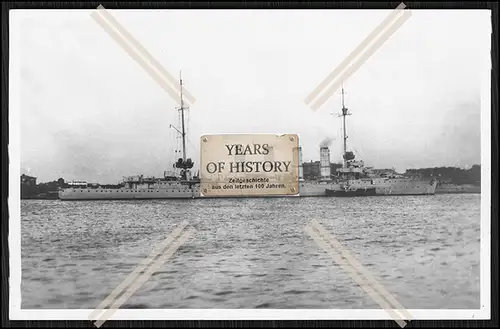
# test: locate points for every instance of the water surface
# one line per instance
(253, 253)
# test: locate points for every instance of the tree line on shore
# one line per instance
(450, 175)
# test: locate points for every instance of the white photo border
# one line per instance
(14, 238)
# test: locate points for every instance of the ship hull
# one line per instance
(351, 193)
(306, 189)
(310, 189)
(83, 194)
(362, 188)
(378, 187)
(126, 194)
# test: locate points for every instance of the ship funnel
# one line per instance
(325, 163)
(301, 167)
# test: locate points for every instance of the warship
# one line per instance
(173, 184)
(355, 179)
(176, 184)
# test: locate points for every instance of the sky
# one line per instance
(89, 112)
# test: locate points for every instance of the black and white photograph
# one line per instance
(249, 164)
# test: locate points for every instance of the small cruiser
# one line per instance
(354, 179)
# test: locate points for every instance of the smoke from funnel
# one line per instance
(327, 142)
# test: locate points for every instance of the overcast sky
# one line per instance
(89, 111)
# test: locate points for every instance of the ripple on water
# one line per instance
(252, 253)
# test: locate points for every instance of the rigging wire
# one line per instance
(188, 116)
(179, 140)
(170, 151)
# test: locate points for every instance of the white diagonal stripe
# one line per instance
(145, 277)
(362, 46)
(141, 56)
(353, 262)
(140, 268)
(356, 277)
(140, 49)
(362, 59)
(361, 275)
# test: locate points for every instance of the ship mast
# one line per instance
(183, 163)
(345, 112)
(183, 133)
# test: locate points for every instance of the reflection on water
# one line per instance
(252, 253)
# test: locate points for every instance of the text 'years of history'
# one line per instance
(249, 164)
